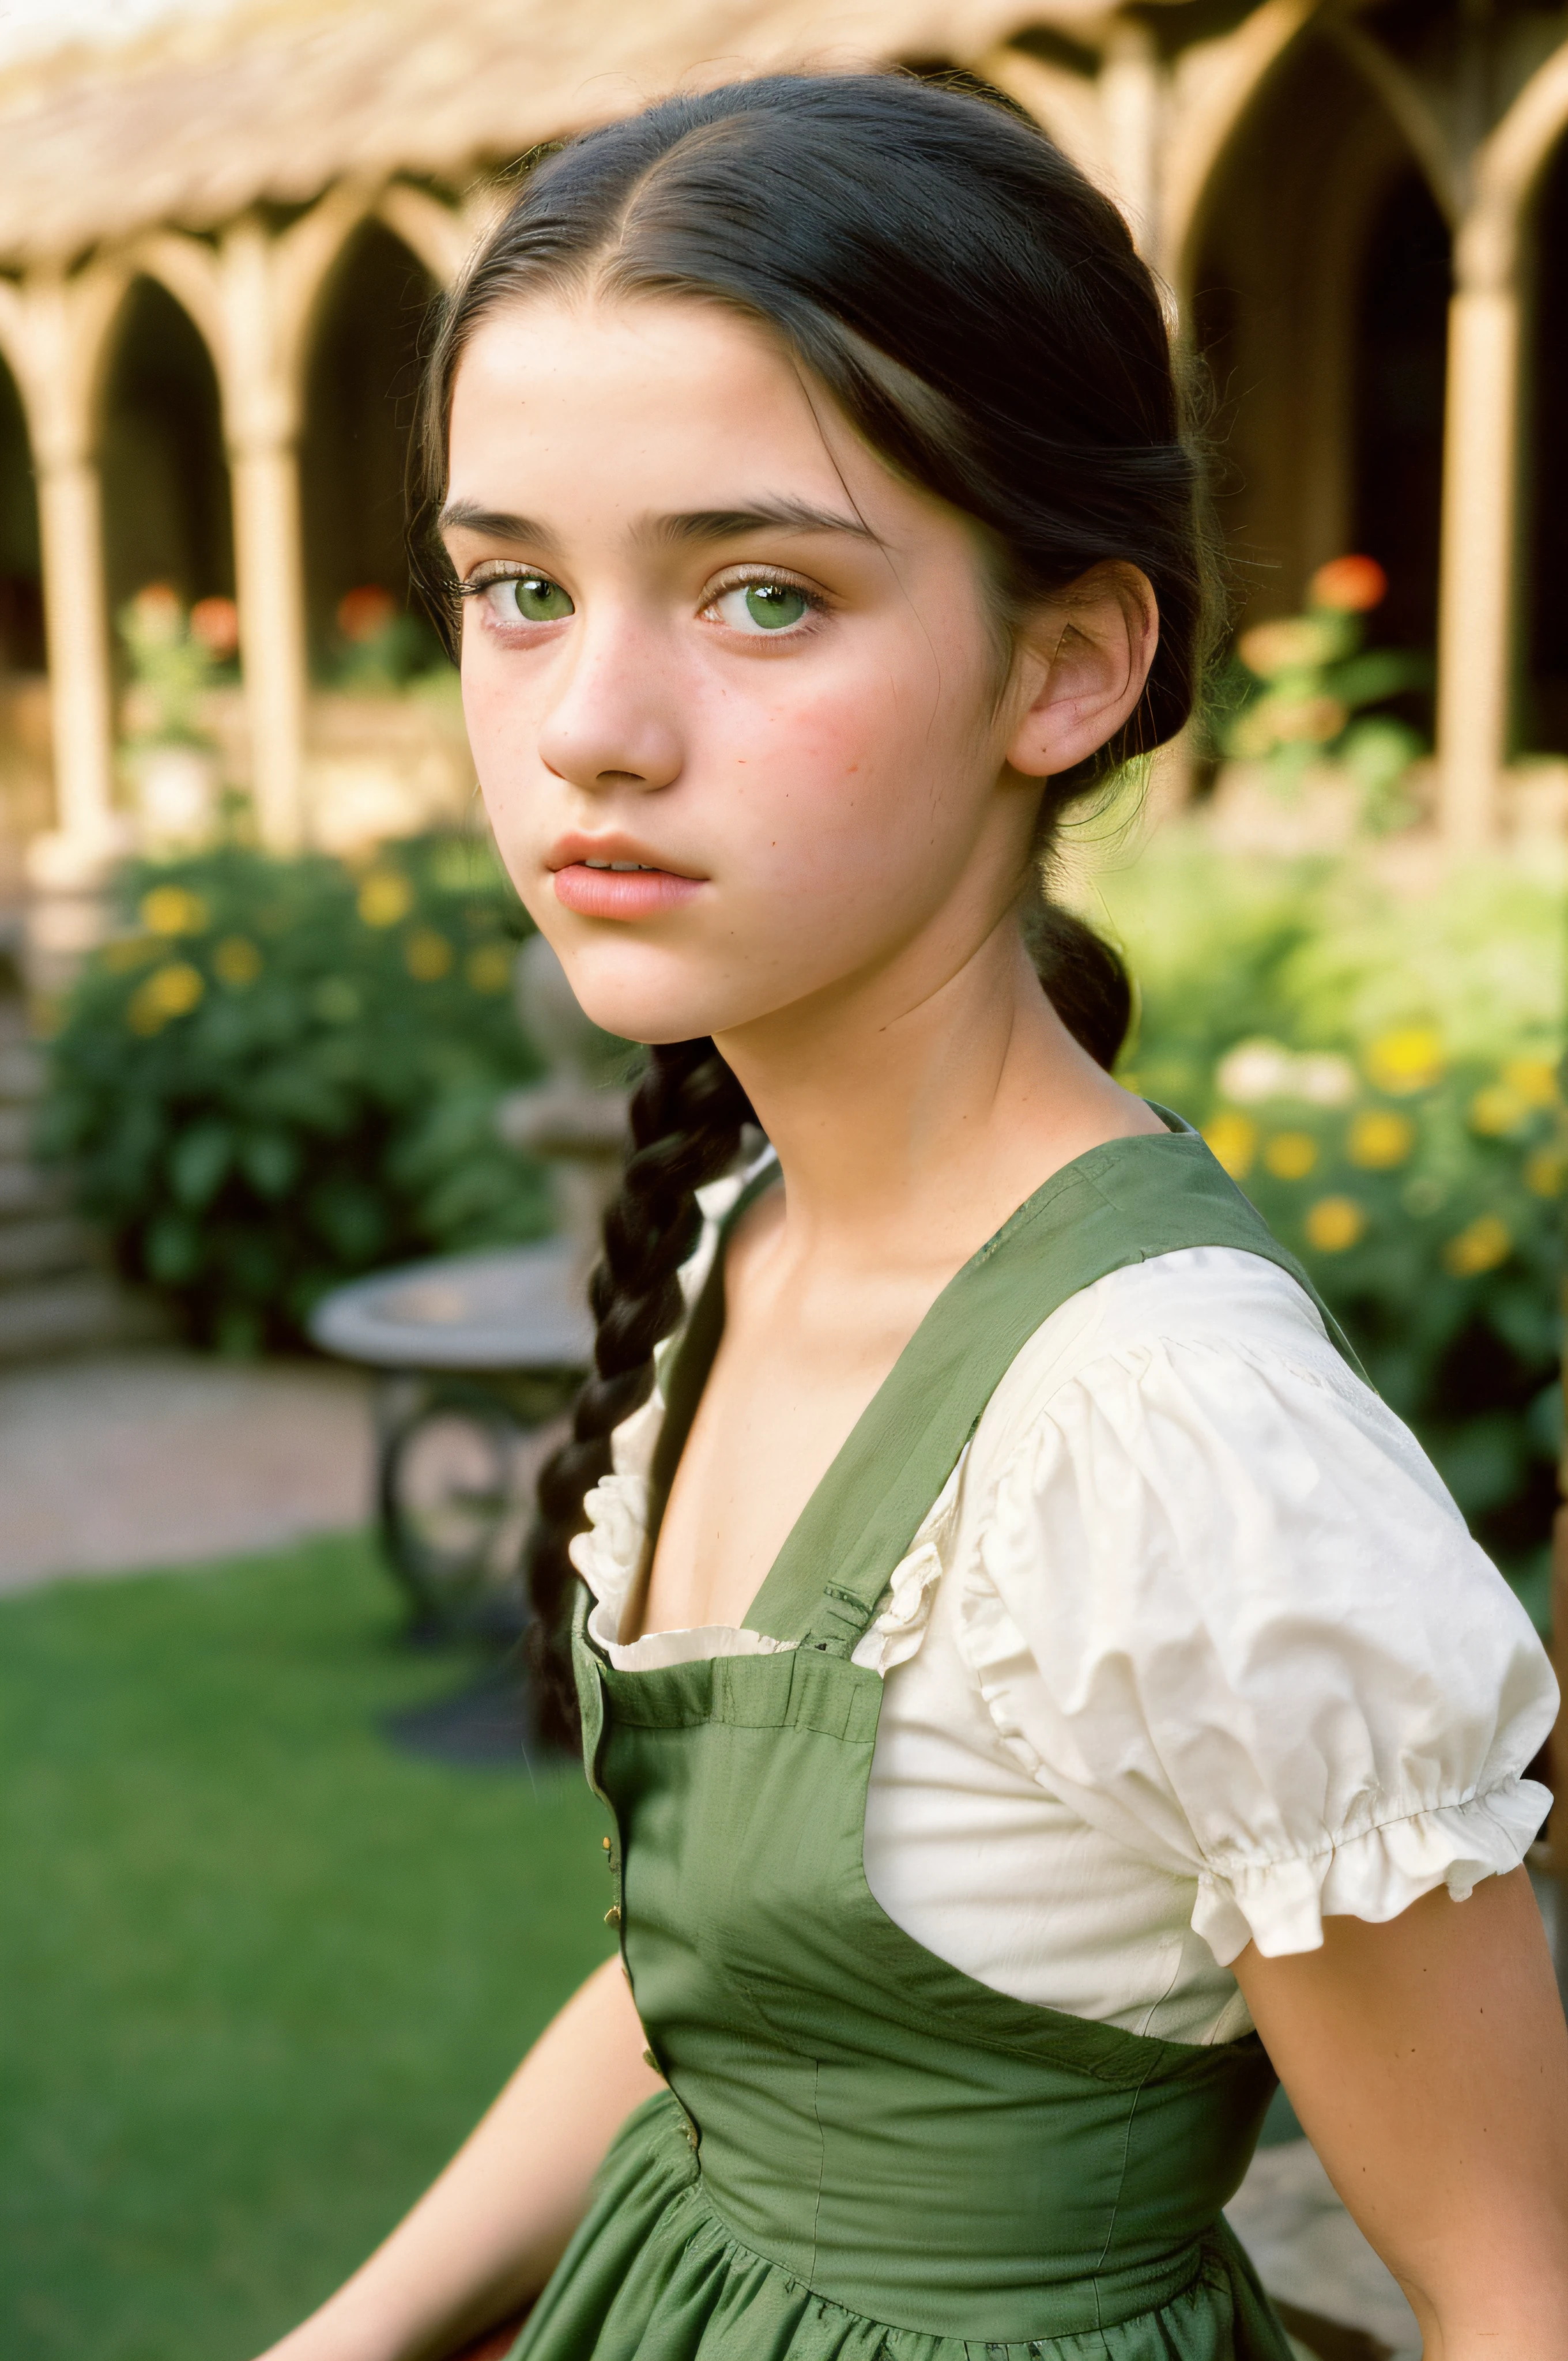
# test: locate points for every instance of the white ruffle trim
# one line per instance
(1280, 1905)
(898, 1630)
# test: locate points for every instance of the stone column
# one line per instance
(1130, 103)
(268, 567)
(260, 372)
(77, 624)
(1480, 504)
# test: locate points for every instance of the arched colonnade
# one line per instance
(1164, 133)
(253, 294)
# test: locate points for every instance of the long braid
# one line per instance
(686, 1117)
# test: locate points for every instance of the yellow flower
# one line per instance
(1295, 643)
(1290, 1154)
(237, 959)
(384, 896)
(129, 951)
(490, 968)
(1481, 1246)
(1410, 1058)
(427, 955)
(1379, 1139)
(1546, 1172)
(172, 990)
(336, 1001)
(1233, 1141)
(1334, 1224)
(1495, 1110)
(171, 910)
(1534, 1079)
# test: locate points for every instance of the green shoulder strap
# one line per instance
(1123, 1203)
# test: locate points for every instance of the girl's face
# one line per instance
(731, 688)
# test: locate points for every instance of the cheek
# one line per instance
(855, 782)
(491, 702)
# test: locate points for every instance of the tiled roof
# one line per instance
(277, 101)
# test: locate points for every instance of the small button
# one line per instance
(605, 1841)
(612, 1915)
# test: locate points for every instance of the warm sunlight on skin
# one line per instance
(800, 717)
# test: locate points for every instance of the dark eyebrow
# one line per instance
(726, 524)
(688, 525)
(496, 524)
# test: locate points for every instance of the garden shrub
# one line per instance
(1380, 1075)
(284, 1072)
(1307, 692)
(281, 1073)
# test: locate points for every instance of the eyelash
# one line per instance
(747, 578)
(773, 578)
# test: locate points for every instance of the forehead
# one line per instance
(675, 403)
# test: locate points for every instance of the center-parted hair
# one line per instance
(978, 312)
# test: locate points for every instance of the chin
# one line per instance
(643, 997)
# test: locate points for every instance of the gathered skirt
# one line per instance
(655, 2275)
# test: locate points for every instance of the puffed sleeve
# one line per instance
(1222, 1606)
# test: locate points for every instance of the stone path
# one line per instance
(163, 1458)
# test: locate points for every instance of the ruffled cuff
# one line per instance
(1280, 1905)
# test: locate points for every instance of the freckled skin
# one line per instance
(874, 778)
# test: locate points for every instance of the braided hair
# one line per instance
(686, 1117)
(978, 312)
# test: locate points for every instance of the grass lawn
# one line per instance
(258, 1972)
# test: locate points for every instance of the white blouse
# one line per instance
(1192, 1651)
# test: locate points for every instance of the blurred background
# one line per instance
(287, 1886)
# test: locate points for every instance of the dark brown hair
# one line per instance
(979, 312)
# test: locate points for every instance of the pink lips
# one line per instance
(621, 893)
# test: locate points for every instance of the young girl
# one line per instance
(1019, 1655)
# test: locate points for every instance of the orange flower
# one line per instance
(1351, 586)
(364, 614)
(216, 622)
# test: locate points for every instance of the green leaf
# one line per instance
(199, 1161)
(271, 1161)
(172, 1250)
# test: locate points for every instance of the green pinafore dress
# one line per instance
(863, 2153)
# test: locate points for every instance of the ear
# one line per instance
(1083, 661)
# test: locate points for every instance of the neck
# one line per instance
(912, 1115)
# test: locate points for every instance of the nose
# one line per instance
(610, 723)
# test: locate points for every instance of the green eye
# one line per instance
(536, 599)
(774, 606)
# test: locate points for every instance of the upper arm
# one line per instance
(1427, 2058)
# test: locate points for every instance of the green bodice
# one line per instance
(867, 2152)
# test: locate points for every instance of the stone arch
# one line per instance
(1542, 660)
(360, 390)
(167, 510)
(1515, 244)
(1317, 294)
(21, 570)
(1218, 86)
